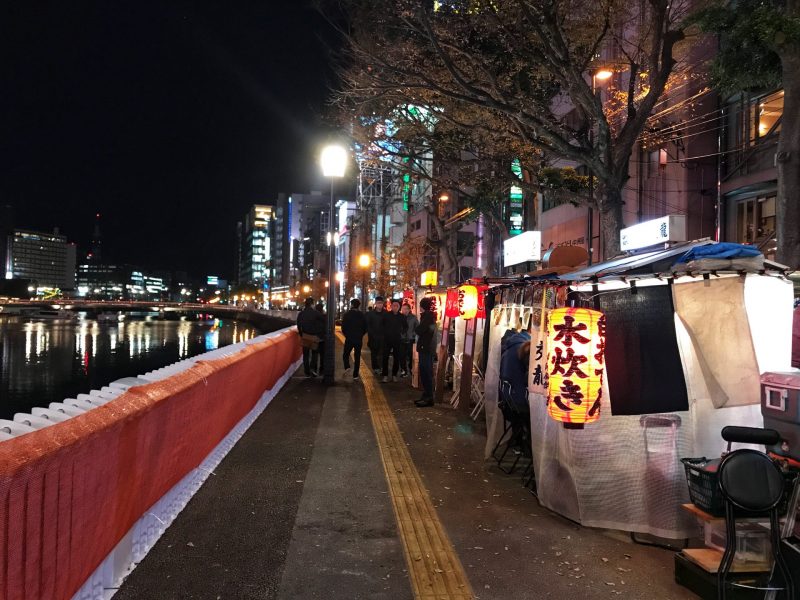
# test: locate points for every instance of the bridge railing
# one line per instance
(84, 499)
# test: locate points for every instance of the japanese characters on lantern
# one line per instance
(451, 304)
(467, 301)
(575, 358)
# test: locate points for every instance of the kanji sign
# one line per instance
(575, 358)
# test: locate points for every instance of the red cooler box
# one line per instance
(780, 407)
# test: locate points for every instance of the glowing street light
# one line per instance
(603, 74)
(334, 163)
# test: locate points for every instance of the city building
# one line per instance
(119, 282)
(255, 266)
(46, 260)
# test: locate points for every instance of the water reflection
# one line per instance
(47, 361)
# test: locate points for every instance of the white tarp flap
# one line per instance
(621, 472)
(769, 302)
(459, 330)
(494, 419)
(713, 313)
(624, 472)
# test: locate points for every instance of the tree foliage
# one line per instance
(760, 50)
(517, 76)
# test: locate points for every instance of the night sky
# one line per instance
(168, 118)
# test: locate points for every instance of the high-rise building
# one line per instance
(255, 267)
(6, 235)
(47, 260)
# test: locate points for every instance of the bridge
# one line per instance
(266, 320)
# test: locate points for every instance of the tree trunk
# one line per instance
(788, 202)
(611, 222)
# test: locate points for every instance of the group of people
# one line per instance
(311, 322)
(391, 334)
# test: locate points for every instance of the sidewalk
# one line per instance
(301, 508)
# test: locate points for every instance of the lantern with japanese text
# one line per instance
(451, 303)
(576, 340)
(467, 301)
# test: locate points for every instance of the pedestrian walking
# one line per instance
(393, 326)
(425, 336)
(354, 327)
(375, 334)
(407, 339)
(310, 326)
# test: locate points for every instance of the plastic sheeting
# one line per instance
(69, 492)
(624, 472)
(460, 331)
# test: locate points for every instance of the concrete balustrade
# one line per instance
(89, 484)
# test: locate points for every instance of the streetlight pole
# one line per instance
(334, 162)
(598, 75)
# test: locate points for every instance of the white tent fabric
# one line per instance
(624, 472)
(500, 319)
(459, 328)
(715, 319)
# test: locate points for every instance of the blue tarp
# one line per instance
(723, 250)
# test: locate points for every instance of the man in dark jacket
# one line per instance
(393, 325)
(426, 331)
(354, 326)
(310, 322)
(375, 334)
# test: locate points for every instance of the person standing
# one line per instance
(425, 336)
(393, 325)
(375, 334)
(354, 326)
(319, 354)
(310, 322)
(409, 333)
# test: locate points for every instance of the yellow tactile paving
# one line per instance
(433, 565)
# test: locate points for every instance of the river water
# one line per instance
(45, 361)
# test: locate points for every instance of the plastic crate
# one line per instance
(753, 548)
(703, 480)
(701, 476)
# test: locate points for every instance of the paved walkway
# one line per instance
(304, 507)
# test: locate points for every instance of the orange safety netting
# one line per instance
(71, 491)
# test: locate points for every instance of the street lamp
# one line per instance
(364, 261)
(334, 162)
(601, 74)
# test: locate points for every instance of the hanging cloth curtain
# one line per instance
(501, 322)
(537, 368)
(714, 315)
(643, 364)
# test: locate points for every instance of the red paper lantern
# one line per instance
(575, 358)
(451, 303)
(467, 301)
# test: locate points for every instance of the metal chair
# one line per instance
(752, 486)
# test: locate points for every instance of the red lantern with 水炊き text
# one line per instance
(576, 340)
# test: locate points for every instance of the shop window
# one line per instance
(750, 119)
(766, 113)
(755, 223)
